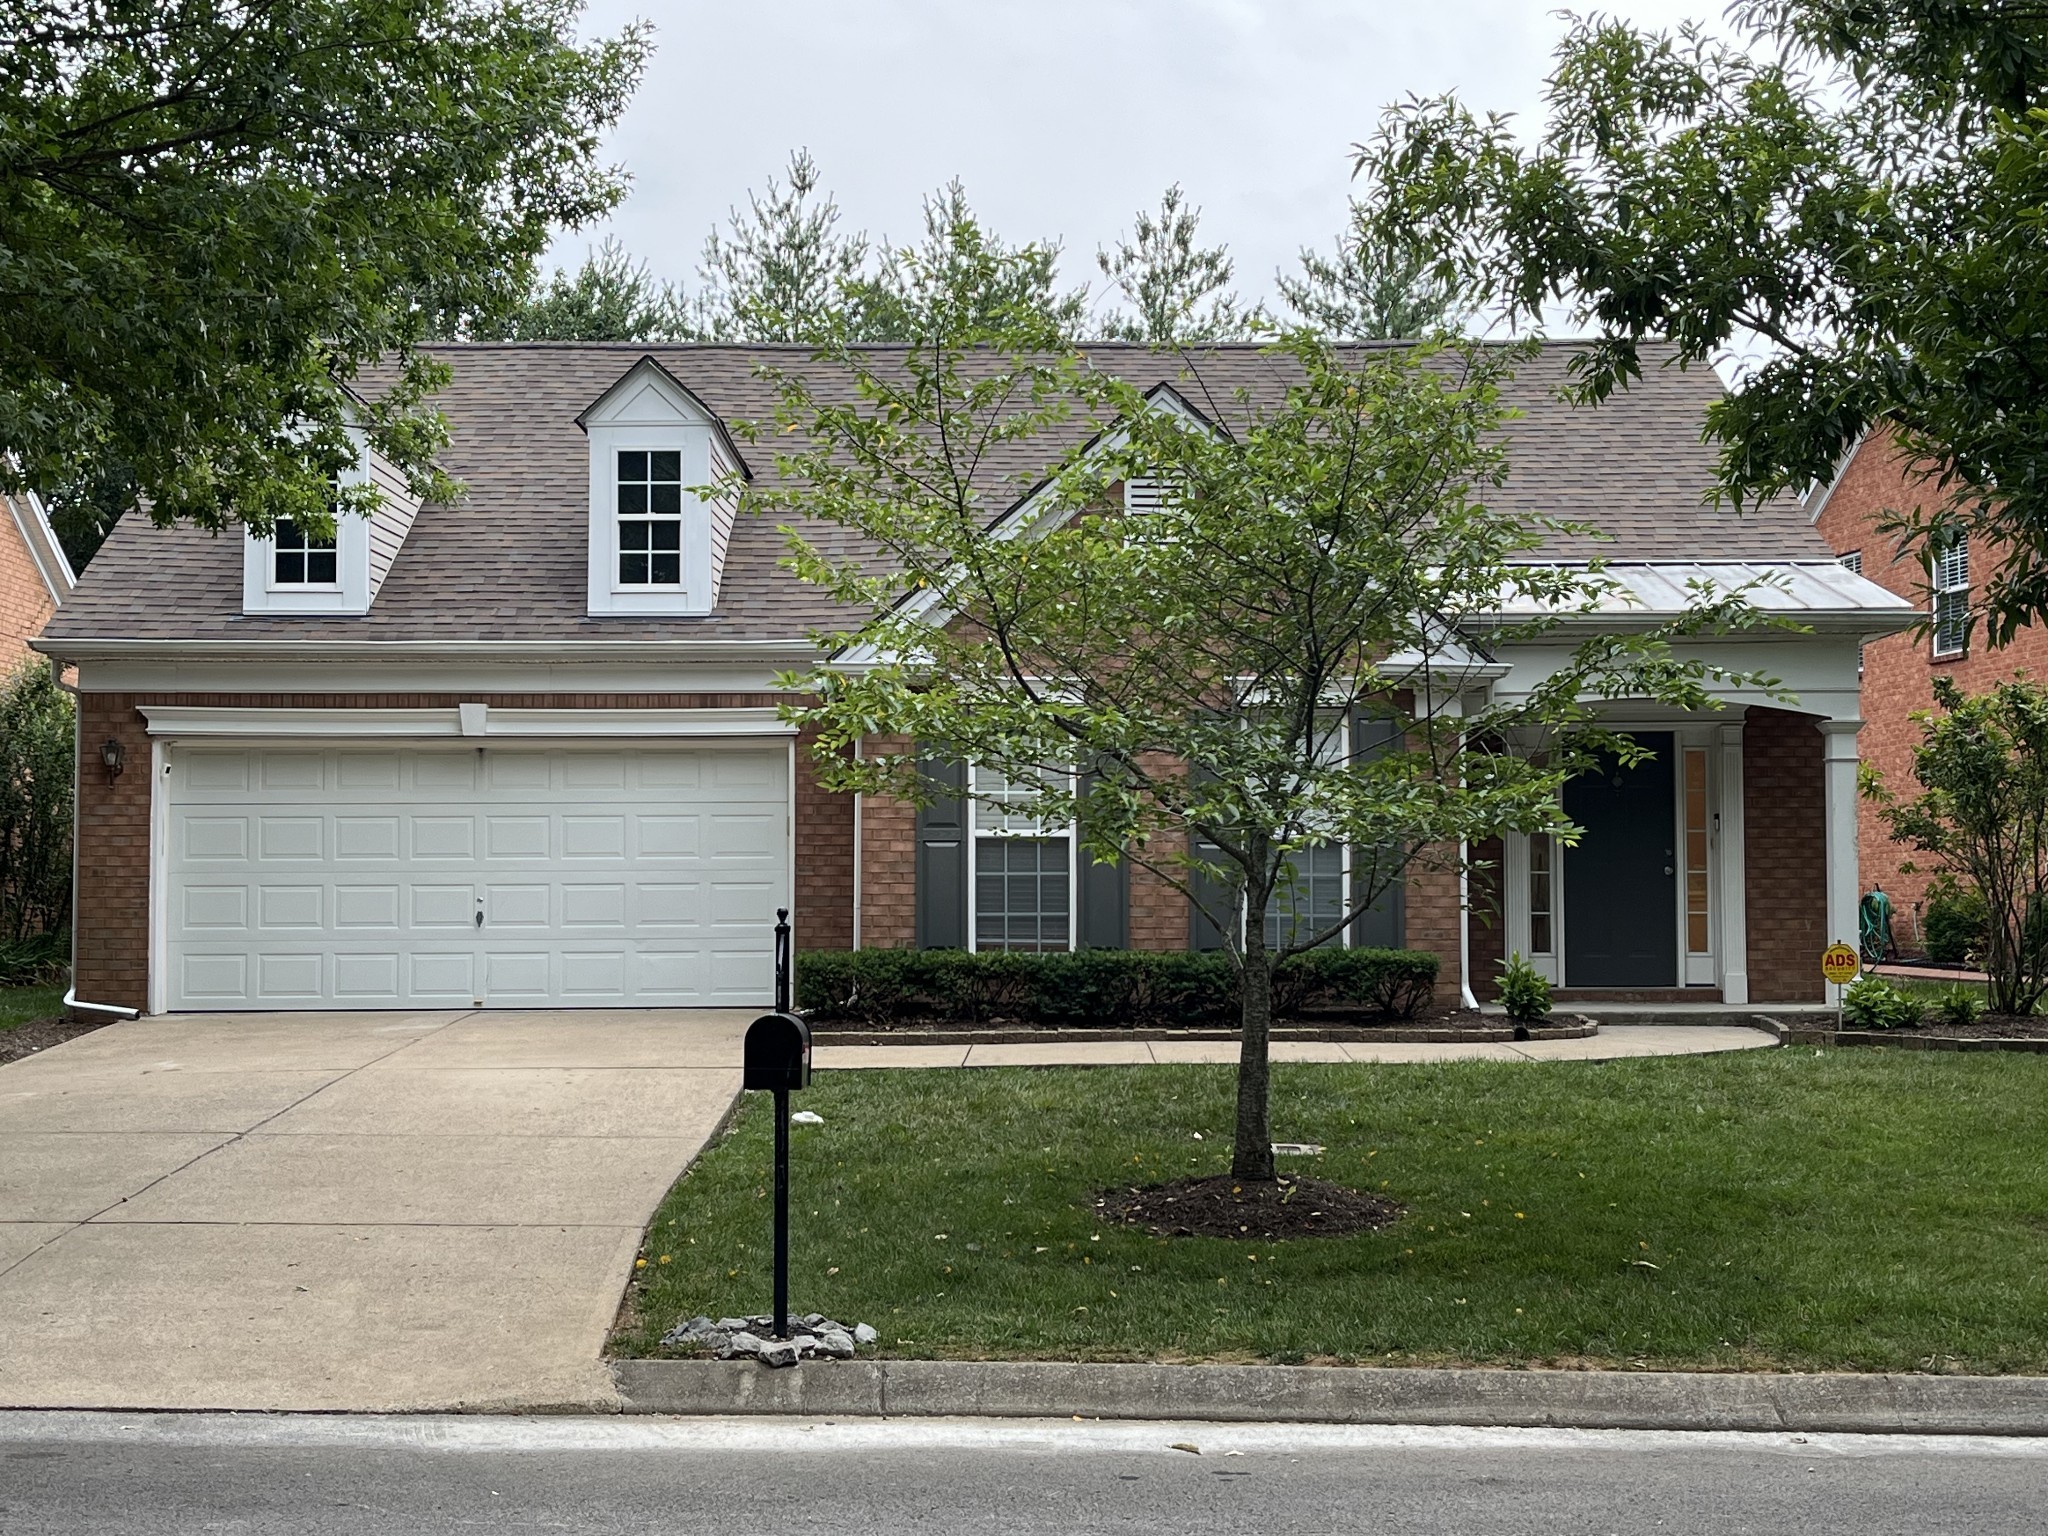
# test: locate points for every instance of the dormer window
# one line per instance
(663, 494)
(651, 518)
(301, 560)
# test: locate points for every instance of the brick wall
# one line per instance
(25, 603)
(1899, 670)
(1489, 920)
(1785, 853)
(113, 821)
(888, 871)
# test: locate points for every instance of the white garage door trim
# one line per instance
(165, 749)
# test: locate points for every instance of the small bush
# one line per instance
(1874, 1003)
(1523, 992)
(1958, 1007)
(1956, 923)
(34, 962)
(1098, 988)
(35, 808)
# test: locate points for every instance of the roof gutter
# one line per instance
(797, 652)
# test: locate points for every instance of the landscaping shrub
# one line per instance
(1874, 1003)
(1098, 988)
(1523, 993)
(1956, 921)
(1958, 1007)
(35, 812)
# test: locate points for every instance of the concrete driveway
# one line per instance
(340, 1211)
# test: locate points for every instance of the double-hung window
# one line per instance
(1951, 593)
(1023, 871)
(299, 559)
(1313, 892)
(650, 514)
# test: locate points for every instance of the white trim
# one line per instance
(179, 721)
(1839, 801)
(1733, 870)
(1817, 504)
(51, 563)
(650, 651)
(158, 990)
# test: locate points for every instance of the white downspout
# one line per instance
(71, 997)
(859, 855)
(1455, 706)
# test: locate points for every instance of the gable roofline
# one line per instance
(51, 563)
(1818, 502)
(647, 361)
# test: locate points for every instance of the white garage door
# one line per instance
(435, 877)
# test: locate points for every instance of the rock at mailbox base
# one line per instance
(780, 1352)
(748, 1338)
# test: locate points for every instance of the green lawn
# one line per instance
(23, 1005)
(1857, 1209)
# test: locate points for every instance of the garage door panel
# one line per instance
(593, 869)
(284, 907)
(280, 838)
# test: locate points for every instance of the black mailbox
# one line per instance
(778, 1053)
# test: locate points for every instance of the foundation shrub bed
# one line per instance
(1098, 988)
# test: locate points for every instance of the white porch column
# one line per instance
(1734, 872)
(1844, 887)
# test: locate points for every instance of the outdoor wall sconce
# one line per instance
(110, 754)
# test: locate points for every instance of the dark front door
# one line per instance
(1620, 890)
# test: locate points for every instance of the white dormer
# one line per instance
(658, 532)
(291, 571)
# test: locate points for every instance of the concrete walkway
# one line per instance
(1613, 1042)
(340, 1211)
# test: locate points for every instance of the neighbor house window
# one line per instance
(651, 518)
(302, 560)
(1542, 933)
(1023, 871)
(1951, 594)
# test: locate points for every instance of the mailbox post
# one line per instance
(777, 1059)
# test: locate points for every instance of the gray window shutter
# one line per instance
(1385, 923)
(943, 844)
(1104, 897)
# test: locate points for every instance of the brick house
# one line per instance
(35, 578)
(524, 750)
(1875, 482)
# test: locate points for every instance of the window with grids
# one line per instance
(1696, 873)
(1852, 561)
(302, 560)
(1542, 851)
(1309, 897)
(650, 516)
(1951, 594)
(1023, 880)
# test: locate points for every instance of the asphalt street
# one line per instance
(62, 1474)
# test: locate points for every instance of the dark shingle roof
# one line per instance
(507, 563)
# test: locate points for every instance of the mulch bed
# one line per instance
(40, 1035)
(1990, 1026)
(1217, 1205)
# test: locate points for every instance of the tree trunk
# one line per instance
(1252, 1156)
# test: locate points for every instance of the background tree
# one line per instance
(1323, 553)
(211, 217)
(35, 822)
(1370, 288)
(1175, 288)
(1982, 816)
(611, 297)
(1852, 203)
(780, 271)
(980, 283)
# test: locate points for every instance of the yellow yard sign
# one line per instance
(1839, 963)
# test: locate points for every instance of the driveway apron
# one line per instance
(341, 1211)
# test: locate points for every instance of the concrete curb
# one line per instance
(1830, 1403)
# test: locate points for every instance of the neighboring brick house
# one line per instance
(1876, 483)
(35, 578)
(524, 750)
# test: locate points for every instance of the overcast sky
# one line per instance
(1063, 117)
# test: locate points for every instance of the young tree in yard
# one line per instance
(1175, 289)
(1326, 550)
(213, 216)
(1982, 816)
(1854, 200)
(611, 297)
